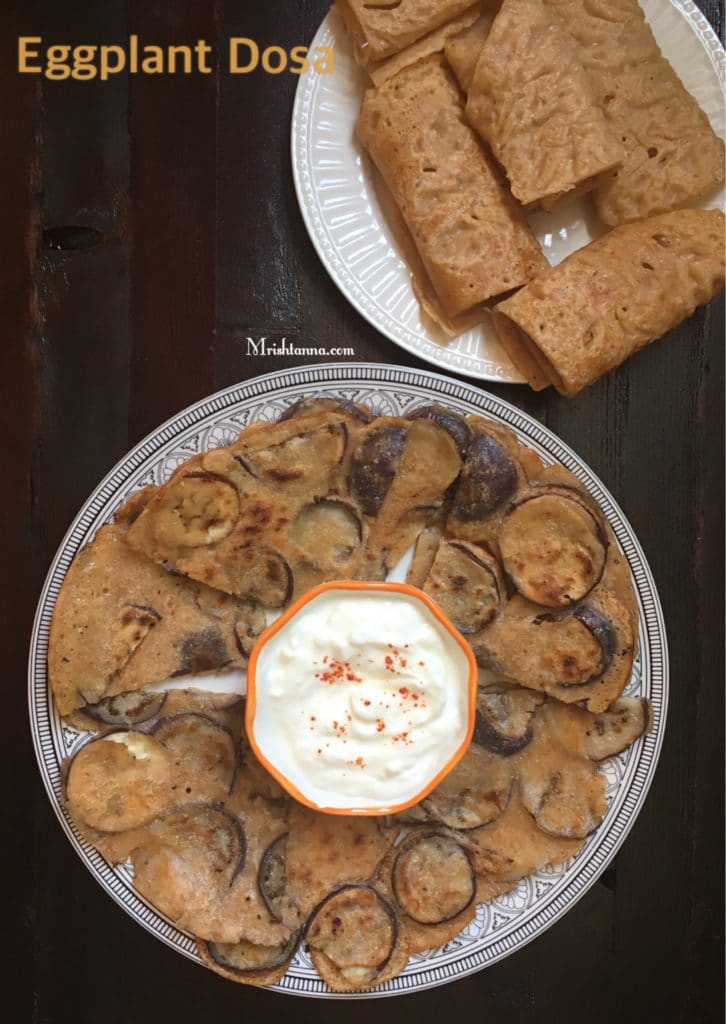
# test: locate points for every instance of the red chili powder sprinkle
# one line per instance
(380, 725)
(367, 703)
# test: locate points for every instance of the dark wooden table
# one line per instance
(150, 225)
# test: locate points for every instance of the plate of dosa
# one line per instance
(85, 588)
(378, 224)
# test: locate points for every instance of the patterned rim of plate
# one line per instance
(539, 900)
(369, 273)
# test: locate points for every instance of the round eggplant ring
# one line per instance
(119, 782)
(475, 793)
(504, 719)
(553, 549)
(566, 798)
(433, 880)
(465, 581)
(245, 962)
(126, 709)
(272, 876)
(196, 510)
(351, 936)
(201, 747)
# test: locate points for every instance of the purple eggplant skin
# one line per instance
(601, 629)
(390, 911)
(487, 736)
(108, 711)
(415, 840)
(451, 422)
(274, 851)
(323, 403)
(374, 465)
(286, 953)
(487, 481)
(597, 625)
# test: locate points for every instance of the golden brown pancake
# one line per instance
(533, 102)
(122, 623)
(605, 302)
(471, 236)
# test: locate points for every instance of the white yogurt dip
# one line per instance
(362, 698)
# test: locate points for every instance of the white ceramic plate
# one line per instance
(344, 220)
(510, 921)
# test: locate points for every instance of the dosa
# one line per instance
(581, 319)
(471, 235)
(533, 102)
(672, 154)
(380, 28)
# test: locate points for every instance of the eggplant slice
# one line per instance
(187, 862)
(303, 463)
(195, 510)
(127, 709)
(120, 782)
(504, 719)
(553, 548)
(466, 583)
(352, 936)
(375, 462)
(203, 751)
(451, 422)
(474, 793)
(323, 403)
(328, 535)
(433, 880)
(564, 794)
(583, 653)
(247, 962)
(595, 736)
(489, 478)
(272, 878)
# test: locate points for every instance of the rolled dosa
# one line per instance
(672, 154)
(471, 235)
(533, 102)
(584, 317)
(380, 28)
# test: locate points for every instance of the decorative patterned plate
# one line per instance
(344, 219)
(507, 923)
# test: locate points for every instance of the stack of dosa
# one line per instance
(532, 101)
(672, 154)
(381, 28)
(471, 236)
(581, 319)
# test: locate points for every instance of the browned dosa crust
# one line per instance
(471, 235)
(605, 302)
(672, 154)
(533, 102)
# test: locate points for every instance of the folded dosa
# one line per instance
(672, 154)
(533, 102)
(434, 42)
(380, 28)
(462, 50)
(584, 317)
(122, 623)
(471, 235)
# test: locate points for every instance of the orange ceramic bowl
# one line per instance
(252, 688)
